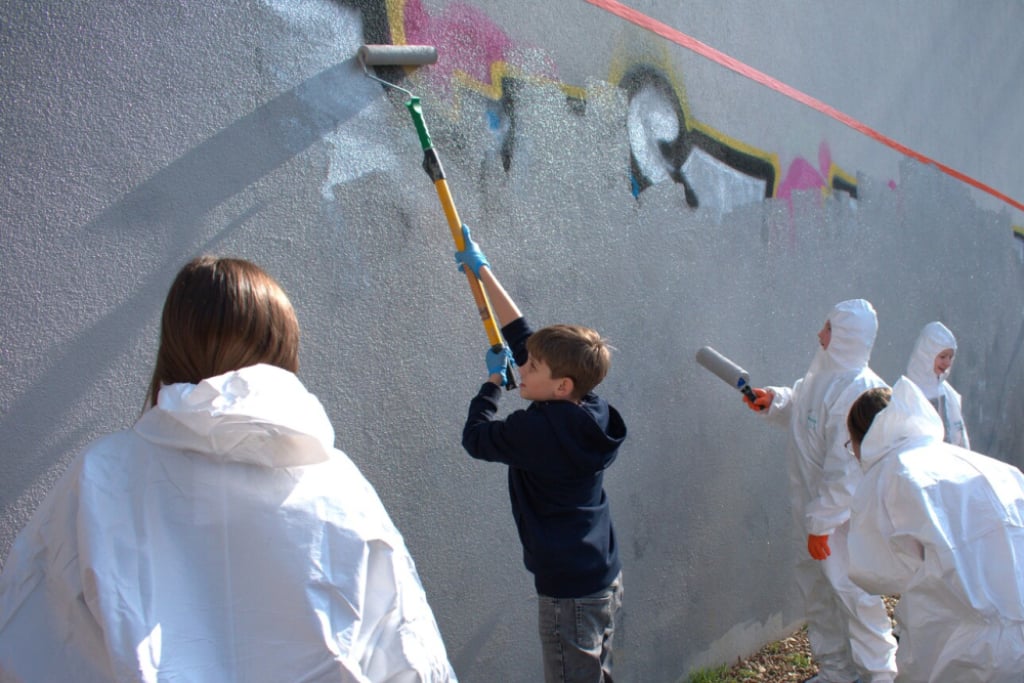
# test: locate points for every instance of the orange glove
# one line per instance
(762, 402)
(817, 546)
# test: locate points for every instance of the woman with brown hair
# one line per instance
(223, 537)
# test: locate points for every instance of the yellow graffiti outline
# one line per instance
(501, 70)
(396, 21)
(771, 157)
(834, 171)
(1018, 230)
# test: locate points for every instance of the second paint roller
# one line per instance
(726, 370)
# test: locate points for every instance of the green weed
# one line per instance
(716, 675)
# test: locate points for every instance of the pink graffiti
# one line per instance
(466, 39)
(802, 176)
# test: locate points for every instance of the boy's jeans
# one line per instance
(576, 635)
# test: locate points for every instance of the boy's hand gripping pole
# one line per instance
(433, 168)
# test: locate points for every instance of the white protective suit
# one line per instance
(944, 528)
(933, 340)
(222, 539)
(849, 630)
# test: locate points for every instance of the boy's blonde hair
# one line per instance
(572, 351)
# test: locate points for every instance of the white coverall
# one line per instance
(933, 340)
(221, 539)
(848, 628)
(944, 528)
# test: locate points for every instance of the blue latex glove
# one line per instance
(471, 256)
(499, 362)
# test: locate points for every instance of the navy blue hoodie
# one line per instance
(556, 452)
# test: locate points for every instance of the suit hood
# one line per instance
(933, 340)
(854, 326)
(909, 420)
(260, 415)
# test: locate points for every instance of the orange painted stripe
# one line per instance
(655, 26)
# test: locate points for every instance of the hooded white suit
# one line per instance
(222, 539)
(849, 630)
(944, 528)
(933, 340)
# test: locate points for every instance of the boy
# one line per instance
(557, 451)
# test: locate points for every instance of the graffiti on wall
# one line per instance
(714, 170)
(667, 144)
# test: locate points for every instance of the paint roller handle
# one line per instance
(416, 111)
(432, 165)
(757, 399)
(730, 373)
(431, 162)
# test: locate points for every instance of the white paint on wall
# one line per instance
(719, 187)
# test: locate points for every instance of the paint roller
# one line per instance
(726, 370)
(421, 55)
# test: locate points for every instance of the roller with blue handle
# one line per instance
(726, 370)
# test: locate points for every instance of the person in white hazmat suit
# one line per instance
(849, 630)
(943, 527)
(929, 366)
(222, 538)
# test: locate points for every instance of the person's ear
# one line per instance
(565, 388)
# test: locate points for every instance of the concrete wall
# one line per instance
(136, 135)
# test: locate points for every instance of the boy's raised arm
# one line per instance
(504, 307)
(472, 257)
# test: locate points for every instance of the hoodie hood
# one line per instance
(854, 326)
(909, 420)
(260, 415)
(591, 443)
(933, 340)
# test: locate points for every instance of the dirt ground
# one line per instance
(785, 661)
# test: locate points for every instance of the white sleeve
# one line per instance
(954, 412)
(884, 559)
(399, 639)
(781, 409)
(841, 472)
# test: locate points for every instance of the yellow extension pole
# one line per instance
(483, 305)
(432, 165)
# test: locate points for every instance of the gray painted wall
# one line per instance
(138, 135)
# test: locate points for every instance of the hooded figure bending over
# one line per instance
(849, 630)
(944, 528)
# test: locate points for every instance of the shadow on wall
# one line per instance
(174, 200)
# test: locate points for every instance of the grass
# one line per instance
(784, 661)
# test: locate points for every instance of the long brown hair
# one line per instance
(223, 314)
